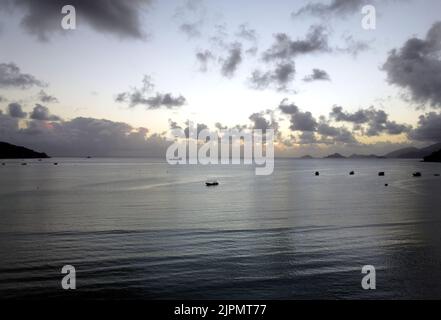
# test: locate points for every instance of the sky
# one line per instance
(132, 70)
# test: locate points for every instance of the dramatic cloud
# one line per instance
(42, 113)
(232, 61)
(317, 75)
(118, 17)
(334, 7)
(11, 77)
(15, 110)
(83, 137)
(376, 121)
(300, 121)
(260, 121)
(203, 57)
(278, 78)
(46, 98)
(417, 67)
(284, 48)
(429, 128)
(138, 96)
(332, 134)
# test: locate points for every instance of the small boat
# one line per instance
(351, 173)
(381, 173)
(24, 164)
(3, 164)
(436, 174)
(386, 184)
(317, 173)
(417, 174)
(211, 183)
(55, 163)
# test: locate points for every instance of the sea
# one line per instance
(144, 229)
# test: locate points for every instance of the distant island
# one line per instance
(431, 152)
(307, 157)
(434, 157)
(335, 156)
(10, 151)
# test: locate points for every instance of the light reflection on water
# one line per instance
(137, 228)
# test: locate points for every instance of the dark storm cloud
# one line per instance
(118, 17)
(42, 113)
(371, 122)
(317, 75)
(143, 96)
(283, 48)
(15, 110)
(204, 57)
(46, 98)
(429, 128)
(278, 78)
(417, 67)
(233, 60)
(12, 77)
(334, 7)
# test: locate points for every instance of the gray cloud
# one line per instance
(46, 98)
(278, 78)
(15, 110)
(375, 121)
(118, 17)
(3, 99)
(203, 57)
(192, 14)
(260, 122)
(142, 96)
(233, 60)
(300, 121)
(284, 48)
(12, 77)
(42, 113)
(352, 46)
(191, 29)
(429, 128)
(246, 33)
(334, 7)
(307, 137)
(317, 75)
(417, 67)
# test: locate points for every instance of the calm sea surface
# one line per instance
(140, 228)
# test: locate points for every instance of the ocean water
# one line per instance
(142, 229)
